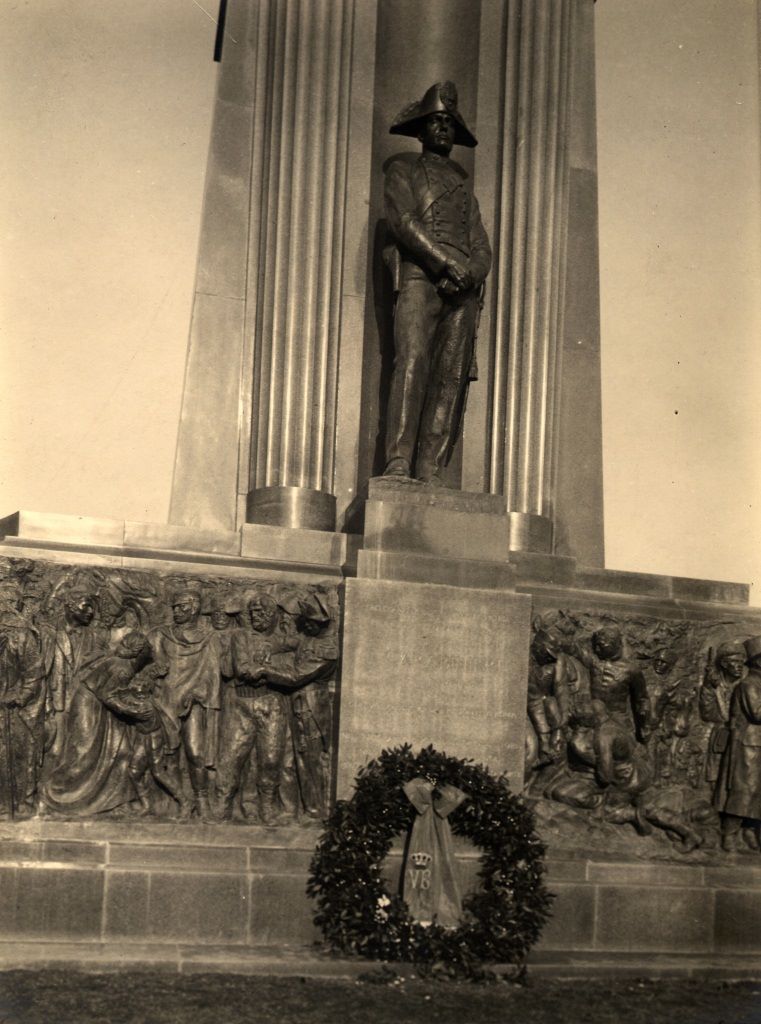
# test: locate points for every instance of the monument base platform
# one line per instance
(434, 649)
(138, 882)
(227, 898)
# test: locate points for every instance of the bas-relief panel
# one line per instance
(170, 696)
(644, 736)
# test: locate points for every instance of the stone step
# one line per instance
(316, 962)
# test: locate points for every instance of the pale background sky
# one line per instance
(107, 111)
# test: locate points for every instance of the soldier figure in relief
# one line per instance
(554, 694)
(661, 683)
(311, 704)
(722, 674)
(440, 260)
(255, 717)
(268, 661)
(738, 788)
(617, 681)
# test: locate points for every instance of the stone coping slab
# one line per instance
(122, 843)
(158, 833)
(90, 540)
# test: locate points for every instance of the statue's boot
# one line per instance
(398, 467)
(225, 807)
(730, 842)
(203, 807)
(269, 812)
(427, 472)
(750, 837)
(142, 795)
(691, 840)
(185, 810)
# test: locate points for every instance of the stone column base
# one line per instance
(298, 508)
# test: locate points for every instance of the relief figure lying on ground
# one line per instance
(646, 724)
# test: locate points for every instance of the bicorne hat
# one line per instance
(440, 97)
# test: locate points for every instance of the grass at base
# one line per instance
(69, 997)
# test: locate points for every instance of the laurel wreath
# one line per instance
(358, 915)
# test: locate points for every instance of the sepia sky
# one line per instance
(107, 109)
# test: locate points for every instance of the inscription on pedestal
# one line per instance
(433, 664)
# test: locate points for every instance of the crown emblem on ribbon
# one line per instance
(421, 860)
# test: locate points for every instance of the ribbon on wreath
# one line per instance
(429, 880)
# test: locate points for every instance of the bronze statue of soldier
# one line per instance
(439, 261)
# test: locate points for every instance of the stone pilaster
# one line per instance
(578, 511)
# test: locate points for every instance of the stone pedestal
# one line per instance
(430, 664)
(127, 884)
(434, 633)
(99, 896)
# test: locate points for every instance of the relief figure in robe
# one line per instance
(22, 705)
(188, 694)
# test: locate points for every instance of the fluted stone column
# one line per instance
(303, 62)
(525, 99)
(534, 431)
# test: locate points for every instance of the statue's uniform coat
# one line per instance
(433, 217)
(738, 790)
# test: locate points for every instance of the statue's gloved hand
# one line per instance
(252, 678)
(460, 274)
(143, 712)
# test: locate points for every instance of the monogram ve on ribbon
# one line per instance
(429, 881)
